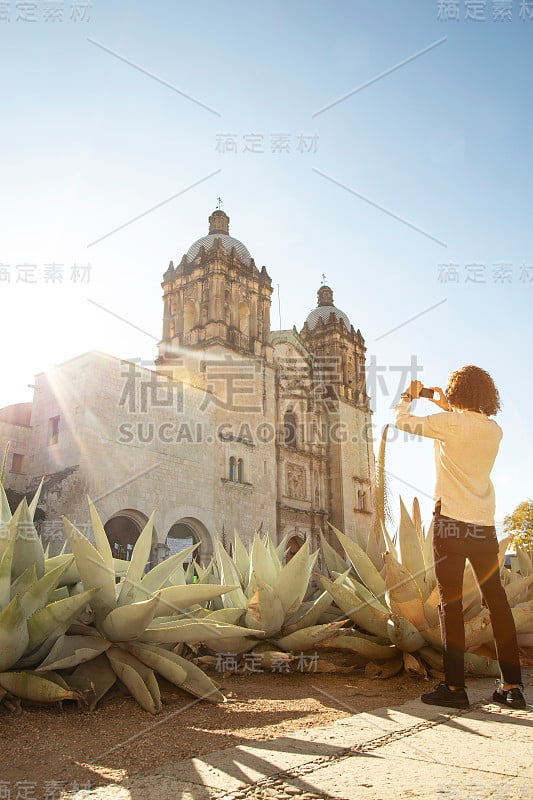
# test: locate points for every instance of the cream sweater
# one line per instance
(466, 444)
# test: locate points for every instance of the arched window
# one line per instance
(232, 469)
(289, 428)
(240, 470)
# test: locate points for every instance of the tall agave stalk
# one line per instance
(395, 608)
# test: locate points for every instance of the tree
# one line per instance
(519, 525)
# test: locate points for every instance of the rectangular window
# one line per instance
(16, 462)
(54, 430)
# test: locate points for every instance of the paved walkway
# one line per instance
(410, 751)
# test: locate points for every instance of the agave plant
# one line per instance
(269, 599)
(395, 607)
(107, 626)
(28, 620)
(136, 622)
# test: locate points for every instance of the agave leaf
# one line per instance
(126, 623)
(363, 647)
(362, 564)
(404, 635)
(311, 615)
(177, 578)
(69, 651)
(429, 561)
(120, 566)
(293, 579)
(229, 615)
(176, 599)
(138, 678)
(233, 646)
(72, 575)
(192, 631)
(282, 546)
(265, 610)
(24, 582)
(404, 596)
(165, 663)
(305, 638)
(6, 562)
(5, 511)
(100, 537)
(276, 560)
(261, 565)
(241, 557)
(411, 555)
(14, 635)
(503, 546)
(55, 618)
(523, 617)
(157, 577)
(32, 508)
(478, 630)
(525, 564)
(334, 562)
(31, 687)
(93, 679)
(414, 666)
(517, 589)
(379, 603)
(139, 559)
(480, 666)
(55, 677)
(384, 670)
(389, 545)
(93, 571)
(203, 572)
(432, 657)
(229, 574)
(28, 547)
(37, 595)
(363, 614)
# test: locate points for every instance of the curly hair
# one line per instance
(472, 388)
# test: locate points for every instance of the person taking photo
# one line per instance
(466, 443)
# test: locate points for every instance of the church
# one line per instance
(237, 427)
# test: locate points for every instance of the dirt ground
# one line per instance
(51, 749)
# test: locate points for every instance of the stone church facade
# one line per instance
(237, 426)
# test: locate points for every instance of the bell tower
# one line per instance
(340, 349)
(216, 296)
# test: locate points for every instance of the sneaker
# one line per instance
(444, 696)
(512, 698)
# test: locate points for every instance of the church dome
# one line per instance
(219, 229)
(324, 310)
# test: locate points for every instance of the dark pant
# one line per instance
(453, 543)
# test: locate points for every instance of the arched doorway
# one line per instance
(180, 536)
(123, 530)
(293, 545)
(186, 532)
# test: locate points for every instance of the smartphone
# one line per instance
(429, 393)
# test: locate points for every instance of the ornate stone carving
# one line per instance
(296, 482)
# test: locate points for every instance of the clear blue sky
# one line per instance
(443, 143)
